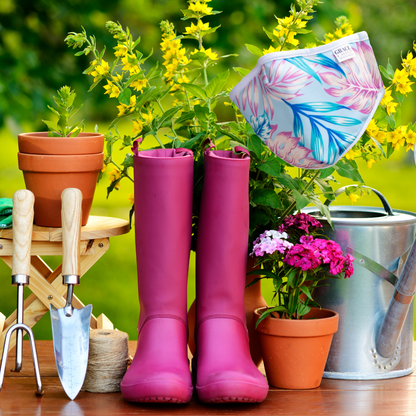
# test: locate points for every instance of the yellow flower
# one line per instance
(190, 30)
(130, 64)
(396, 137)
(270, 50)
(183, 80)
(114, 175)
(131, 198)
(121, 110)
(353, 197)
(410, 139)
(103, 68)
(148, 118)
(121, 50)
(111, 89)
(372, 128)
(400, 76)
(139, 84)
(352, 154)
(404, 88)
(208, 52)
(370, 163)
(199, 7)
(381, 137)
(137, 127)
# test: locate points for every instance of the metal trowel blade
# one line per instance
(71, 337)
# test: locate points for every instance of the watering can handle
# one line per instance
(383, 200)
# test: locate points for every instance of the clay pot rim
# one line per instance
(44, 135)
(39, 143)
(60, 163)
(299, 328)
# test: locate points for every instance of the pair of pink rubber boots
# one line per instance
(222, 367)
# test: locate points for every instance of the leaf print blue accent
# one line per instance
(321, 107)
(261, 126)
(338, 141)
(302, 65)
(323, 60)
(340, 121)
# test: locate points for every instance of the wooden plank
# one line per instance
(97, 227)
(334, 397)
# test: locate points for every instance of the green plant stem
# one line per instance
(291, 207)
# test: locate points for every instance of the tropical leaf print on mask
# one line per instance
(360, 88)
(288, 148)
(277, 82)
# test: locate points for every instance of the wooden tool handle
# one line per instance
(71, 231)
(22, 216)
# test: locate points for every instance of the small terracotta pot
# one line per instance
(295, 351)
(48, 175)
(41, 144)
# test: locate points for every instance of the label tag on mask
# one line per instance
(343, 53)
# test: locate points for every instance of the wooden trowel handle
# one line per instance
(22, 216)
(71, 231)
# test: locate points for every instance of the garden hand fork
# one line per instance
(22, 216)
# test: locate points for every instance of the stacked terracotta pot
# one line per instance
(52, 164)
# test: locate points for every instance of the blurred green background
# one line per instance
(35, 62)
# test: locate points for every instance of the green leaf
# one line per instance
(386, 73)
(128, 160)
(306, 291)
(289, 182)
(326, 172)
(271, 166)
(301, 200)
(216, 85)
(165, 120)
(189, 115)
(291, 278)
(124, 97)
(267, 197)
(241, 71)
(302, 309)
(254, 50)
(52, 125)
(195, 90)
(269, 311)
(345, 169)
(255, 145)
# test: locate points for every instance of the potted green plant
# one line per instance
(295, 334)
(64, 157)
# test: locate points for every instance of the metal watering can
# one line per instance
(375, 305)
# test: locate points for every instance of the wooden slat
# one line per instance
(97, 227)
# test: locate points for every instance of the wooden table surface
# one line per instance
(333, 397)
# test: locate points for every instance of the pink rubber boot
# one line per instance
(163, 220)
(224, 369)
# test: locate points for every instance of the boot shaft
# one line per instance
(163, 226)
(222, 240)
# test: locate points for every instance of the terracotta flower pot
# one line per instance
(253, 298)
(295, 351)
(41, 144)
(48, 175)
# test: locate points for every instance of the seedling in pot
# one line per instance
(65, 110)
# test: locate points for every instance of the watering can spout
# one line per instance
(392, 325)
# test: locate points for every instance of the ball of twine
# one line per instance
(107, 361)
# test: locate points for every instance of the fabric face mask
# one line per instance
(311, 106)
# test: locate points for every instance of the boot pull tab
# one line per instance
(207, 142)
(243, 150)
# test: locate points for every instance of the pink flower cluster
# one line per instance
(311, 253)
(269, 242)
(300, 221)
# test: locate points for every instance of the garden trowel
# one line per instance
(70, 326)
